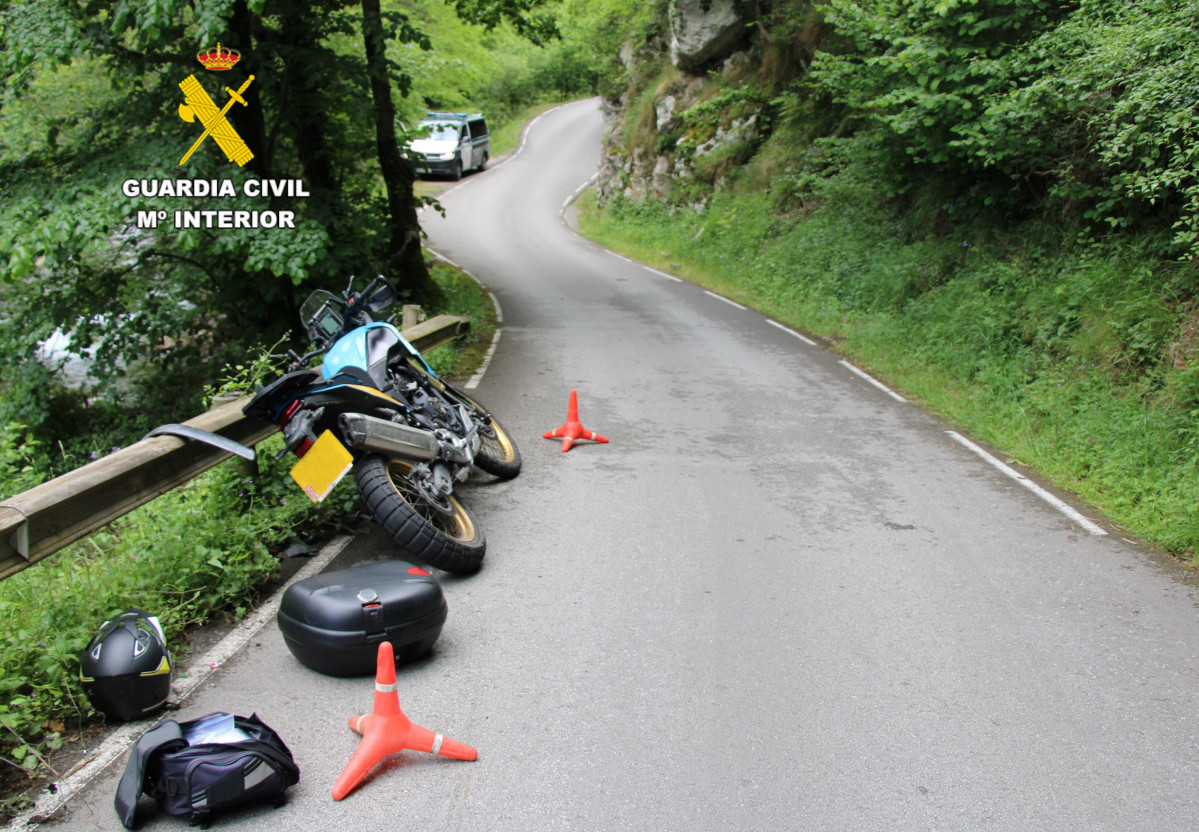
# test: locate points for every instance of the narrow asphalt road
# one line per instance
(780, 598)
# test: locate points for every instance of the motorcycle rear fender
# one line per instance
(270, 400)
(307, 384)
(336, 399)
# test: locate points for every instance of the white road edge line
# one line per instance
(579, 190)
(662, 274)
(1007, 470)
(477, 378)
(523, 138)
(874, 381)
(474, 380)
(726, 300)
(650, 269)
(117, 743)
(791, 331)
(445, 259)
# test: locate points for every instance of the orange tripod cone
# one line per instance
(386, 730)
(572, 429)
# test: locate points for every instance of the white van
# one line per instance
(449, 144)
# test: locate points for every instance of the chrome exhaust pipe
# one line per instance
(367, 433)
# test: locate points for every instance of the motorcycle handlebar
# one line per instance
(377, 282)
(357, 303)
(300, 362)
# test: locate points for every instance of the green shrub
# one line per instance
(1084, 105)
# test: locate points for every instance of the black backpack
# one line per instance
(192, 769)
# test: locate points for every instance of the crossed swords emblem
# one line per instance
(200, 105)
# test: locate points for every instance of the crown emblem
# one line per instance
(219, 59)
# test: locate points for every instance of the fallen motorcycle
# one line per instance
(377, 408)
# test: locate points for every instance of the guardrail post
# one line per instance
(410, 316)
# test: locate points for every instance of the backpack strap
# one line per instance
(133, 780)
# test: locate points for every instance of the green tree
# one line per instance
(921, 70)
(71, 250)
(90, 100)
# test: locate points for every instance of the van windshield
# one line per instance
(442, 131)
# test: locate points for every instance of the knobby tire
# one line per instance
(455, 544)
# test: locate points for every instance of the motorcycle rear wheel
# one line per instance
(452, 542)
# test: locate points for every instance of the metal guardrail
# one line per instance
(37, 523)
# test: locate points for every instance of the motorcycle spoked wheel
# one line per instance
(498, 454)
(452, 542)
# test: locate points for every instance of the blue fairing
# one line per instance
(351, 351)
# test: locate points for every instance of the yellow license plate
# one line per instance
(326, 462)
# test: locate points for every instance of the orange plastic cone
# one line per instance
(572, 429)
(386, 730)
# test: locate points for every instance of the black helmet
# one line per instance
(126, 670)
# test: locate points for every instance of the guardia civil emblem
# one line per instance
(199, 105)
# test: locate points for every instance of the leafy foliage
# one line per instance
(18, 460)
(1083, 106)
(89, 130)
(530, 18)
(89, 108)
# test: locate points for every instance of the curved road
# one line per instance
(780, 598)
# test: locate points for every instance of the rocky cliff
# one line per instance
(686, 117)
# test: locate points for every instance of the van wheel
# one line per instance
(483, 163)
(457, 173)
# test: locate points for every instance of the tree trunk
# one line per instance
(303, 58)
(250, 120)
(406, 264)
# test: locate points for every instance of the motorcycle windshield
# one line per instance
(321, 313)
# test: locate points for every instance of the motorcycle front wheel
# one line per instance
(453, 542)
(498, 454)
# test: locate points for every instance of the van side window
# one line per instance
(478, 128)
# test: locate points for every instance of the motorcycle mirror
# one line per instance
(383, 298)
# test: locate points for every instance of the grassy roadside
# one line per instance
(464, 296)
(1052, 353)
(204, 552)
(506, 138)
